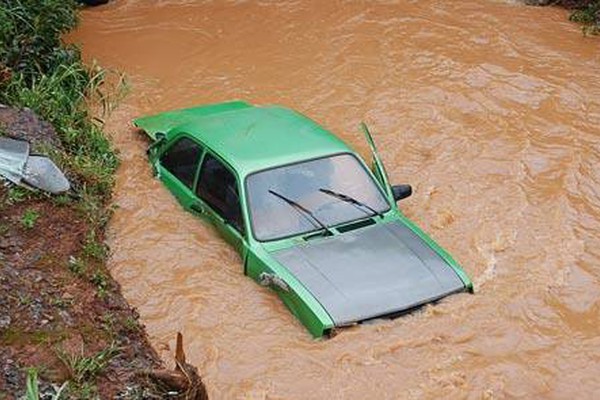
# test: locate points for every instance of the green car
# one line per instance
(308, 217)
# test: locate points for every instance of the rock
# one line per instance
(12, 373)
(5, 321)
(24, 124)
(66, 317)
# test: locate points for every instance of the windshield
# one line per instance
(295, 199)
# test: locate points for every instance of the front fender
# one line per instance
(261, 267)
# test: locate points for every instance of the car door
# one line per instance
(377, 166)
(218, 191)
(178, 166)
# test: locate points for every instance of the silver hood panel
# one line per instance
(370, 272)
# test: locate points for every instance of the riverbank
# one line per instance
(584, 12)
(64, 325)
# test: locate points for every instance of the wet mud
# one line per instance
(491, 110)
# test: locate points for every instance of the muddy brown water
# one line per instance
(491, 110)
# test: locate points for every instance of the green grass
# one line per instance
(17, 194)
(32, 386)
(100, 280)
(77, 266)
(83, 368)
(51, 79)
(93, 248)
(29, 218)
(30, 35)
(38, 71)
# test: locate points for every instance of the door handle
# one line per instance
(197, 207)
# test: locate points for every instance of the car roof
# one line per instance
(255, 138)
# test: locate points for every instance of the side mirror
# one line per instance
(160, 136)
(401, 191)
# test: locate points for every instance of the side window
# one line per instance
(181, 159)
(218, 188)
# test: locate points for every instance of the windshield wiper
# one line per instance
(351, 200)
(305, 211)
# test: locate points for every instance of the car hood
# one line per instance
(371, 272)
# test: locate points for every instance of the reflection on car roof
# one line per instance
(255, 138)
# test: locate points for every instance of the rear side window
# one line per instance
(217, 186)
(182, 159)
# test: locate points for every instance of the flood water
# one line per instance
(491, 110)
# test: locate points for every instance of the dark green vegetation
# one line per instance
(585, 12)
(40, 73)
(63, 321)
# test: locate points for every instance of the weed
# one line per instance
(77, 266)
(29, 218)
(93, 248)
(25, 300)
(62, 200)
(81, 368)
(86, 390)
(31, 384)
(101, 281)
(108, 323)
(32, 387)
(17, 194)
(59, 302)
(4, 228)
(131, 324)
(40, 336)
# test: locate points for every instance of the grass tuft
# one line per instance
(83, 369)
(29, 218)
(77, 266)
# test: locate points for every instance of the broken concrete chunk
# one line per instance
(20, 168)
(42, 173)
(13, 156)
